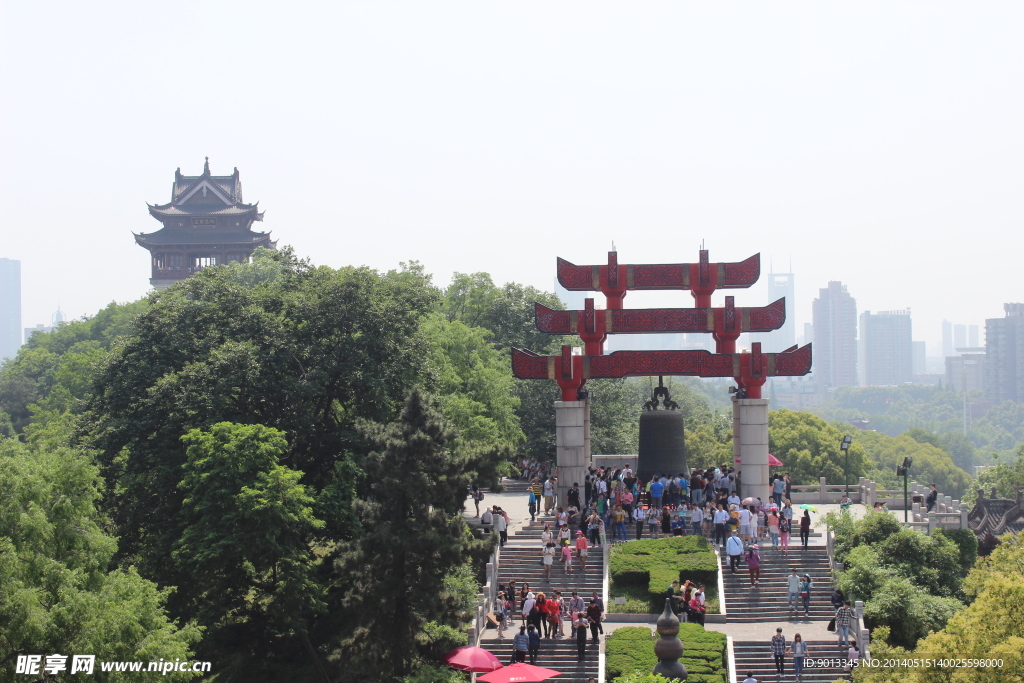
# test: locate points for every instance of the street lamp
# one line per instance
(845, 447)
(904, 471)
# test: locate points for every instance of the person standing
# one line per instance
(745, 514)
(487, 520)
(566, 557)
(520, 645)
(666, 522)
(779, 652)
(844, 617)
(546, 535)
(933, 496)
(579, 627)
(778, 488)
(789, 487)
(805, 528)
(805, 594)
(477, 496)
(526, 611)
(619, 520)
(653, 522)
(754, 565)
(657, 490)
(638, 517)
(799, 652)
(793, 589)
(573, 496)
(501, 526)
(576, 603)
(734, 547)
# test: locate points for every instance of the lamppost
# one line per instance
(845, 447)
(903, 471)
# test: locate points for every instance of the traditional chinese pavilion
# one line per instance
(206, 223)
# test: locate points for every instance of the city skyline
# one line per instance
(848, 138)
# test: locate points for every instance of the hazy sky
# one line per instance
(879, 144)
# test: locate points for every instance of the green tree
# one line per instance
(58, 591)
(809, 447)
(931, 464)
(247, 522)
(413, 536)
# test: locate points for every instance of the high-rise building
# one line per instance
(1004, 355)
(55, 320)
(885, 345)
(919, 358)
(10, 307)
(972, 336)
(780, 285)
(947, 339)
(835, 337)
(959, 336)
(966, 370)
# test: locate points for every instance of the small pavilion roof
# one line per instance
(167, 237)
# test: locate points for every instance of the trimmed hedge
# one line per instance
(631, 648)
(656, 563)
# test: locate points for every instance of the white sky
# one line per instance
(879, 144)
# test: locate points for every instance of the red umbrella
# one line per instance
(519, 673)
(772, 461)
(469, 658)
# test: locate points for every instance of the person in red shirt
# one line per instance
(582, 548)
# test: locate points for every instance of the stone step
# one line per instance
(754, 657)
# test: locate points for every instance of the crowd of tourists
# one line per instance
(544, 616)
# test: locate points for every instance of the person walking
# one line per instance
(566, 557)
(594, 618)
(549, 495)
(734, 548)
(793, 589)
(805, 528)
(837, 599)
(799, 650)
(501, 526)
(548, 558)
(696, 518)
(573, 496)
(805, 594)
(773, 529)
(533, 506)
(581, 550)
(520, 646)
(754, 565)
(779, 652)
(579, 627)
(534, 638)
(721, 520)
(555, 608)
(778, 488)
(745, 515)
(594, 527)
(844, 617)
(784, 536)
(576, 603)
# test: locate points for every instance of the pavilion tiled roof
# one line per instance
(996, 516)
(199, 236)
(171, 211)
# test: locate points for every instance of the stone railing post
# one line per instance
(821, 490)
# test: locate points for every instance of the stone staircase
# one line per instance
(520, 560)
(767, 601)
(755, 657)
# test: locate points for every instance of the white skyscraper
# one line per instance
(10, 307)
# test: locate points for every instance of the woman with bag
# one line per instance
(754, 565)
(784, 535)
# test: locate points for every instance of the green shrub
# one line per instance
(630, 650)
(656, 563)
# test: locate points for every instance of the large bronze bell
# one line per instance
(662, 442)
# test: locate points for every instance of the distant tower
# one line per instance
(204, 224)
(835, 338)
(1004, 355)
(947, 339)
(781, 285)
(10, 307)
(886, 348)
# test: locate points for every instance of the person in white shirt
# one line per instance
(721, 519)
(487, 519)
(733, 499)
(549, 496)
(502, 528)
(696, 518)
(639, 516)
(745, 517)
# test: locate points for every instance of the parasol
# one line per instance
(471, 658)
(519, 673)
